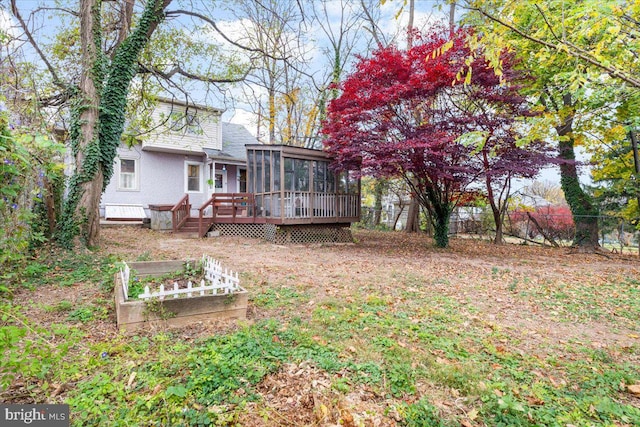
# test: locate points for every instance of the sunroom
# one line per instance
(294, 185)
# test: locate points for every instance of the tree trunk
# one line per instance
(636, 170)
(272, 111)
(413, 217)
(81, 221)
(395, 221)
(585, 214)
(498, 219)
(98, 116)
(441, 227)
(379, 192)
(499, 239)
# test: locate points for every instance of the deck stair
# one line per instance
(191, 225)
(225, 207)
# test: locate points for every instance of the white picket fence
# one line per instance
(125, 272)
(215, 282)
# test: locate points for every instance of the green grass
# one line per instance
(279, 296)
(617, 300)
(411, 349)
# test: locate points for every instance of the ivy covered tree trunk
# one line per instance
(98, 116)
(583, 209)
(442, 215)
(81, 217)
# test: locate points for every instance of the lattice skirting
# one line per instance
(282, 234)
(254, 231)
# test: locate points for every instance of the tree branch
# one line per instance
(61, 9)
(177, 69)
(577, 51)
(548, 24)
(23, 25)
(211, 22)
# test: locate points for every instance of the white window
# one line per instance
(192, 123)
(186, 122)
(193, 177)
(128, 176)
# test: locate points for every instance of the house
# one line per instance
(196, 174)
(191, 151)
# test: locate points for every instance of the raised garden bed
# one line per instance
(176, 293)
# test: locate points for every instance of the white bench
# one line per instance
(114, 211)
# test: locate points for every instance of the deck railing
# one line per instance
(302, 205)
(227, 205)
(204, 222)
(180, 213)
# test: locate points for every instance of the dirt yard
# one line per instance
(473, 272)
(539, 298)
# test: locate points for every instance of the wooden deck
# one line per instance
(286, 208)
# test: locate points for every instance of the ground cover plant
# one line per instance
(193, 272)
(387, 331)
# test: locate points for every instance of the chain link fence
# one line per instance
(547, 226)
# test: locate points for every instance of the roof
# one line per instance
(234, 139)
(176, 101)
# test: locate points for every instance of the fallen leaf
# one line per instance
(132, 377)
(472, 414)
(346, 418)
(534, 401)
(156, 390)
(322, 412)
(634, 389)
(58, 389)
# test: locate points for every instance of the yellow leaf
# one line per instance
(472, 414)
(467, 79)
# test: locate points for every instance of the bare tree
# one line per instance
(89, 72)
(275, 29)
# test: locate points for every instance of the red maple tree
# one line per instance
(402, 113)
(553, 222)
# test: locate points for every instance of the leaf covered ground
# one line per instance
(386, 331)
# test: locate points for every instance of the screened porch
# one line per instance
(293, 185)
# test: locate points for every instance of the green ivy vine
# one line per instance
(112, 80)
(114, 96)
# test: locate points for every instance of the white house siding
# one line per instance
(161, 180)
(166, 139)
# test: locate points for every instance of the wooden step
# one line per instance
(187, 234)
(191, 228)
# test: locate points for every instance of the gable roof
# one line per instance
(234, 139)
(179, 102)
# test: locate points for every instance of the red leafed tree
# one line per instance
(402, 113)
(496, 114)
(553, 222)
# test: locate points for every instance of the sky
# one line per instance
(391, 23)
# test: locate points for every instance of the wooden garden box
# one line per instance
(187, 307)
